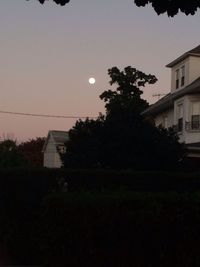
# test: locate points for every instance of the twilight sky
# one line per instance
(48, 53)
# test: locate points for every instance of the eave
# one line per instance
(167, 101)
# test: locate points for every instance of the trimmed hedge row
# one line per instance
(22, 192)
(41, 181)
(121, 229)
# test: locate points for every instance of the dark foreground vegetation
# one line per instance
(122, 229)
(123, 138)
(106, 218)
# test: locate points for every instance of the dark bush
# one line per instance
(38, 182)
(121, 229)
(22, 191)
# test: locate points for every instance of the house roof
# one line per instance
(59, 138)
(167, 101)
(194, 52)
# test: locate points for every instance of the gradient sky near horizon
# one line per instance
(49, 52)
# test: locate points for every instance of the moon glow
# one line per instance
(92, 80)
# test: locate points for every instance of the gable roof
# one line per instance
(193, 52)
(59, 138)
(168, 101)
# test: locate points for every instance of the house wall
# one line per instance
(51, 156)
(191, 136)
(185, 63)
(181, 101)
(187, 136)
(160, 118)
(192, 71)
(194, 67)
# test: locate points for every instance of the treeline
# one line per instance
(27, 153)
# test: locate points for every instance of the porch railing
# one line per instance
(192, 125)
(189, 126)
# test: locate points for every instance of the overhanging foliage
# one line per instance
(171, 7)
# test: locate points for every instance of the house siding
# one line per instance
(51, 156)
(185, 63)
(169, 114)
(194, 67)
(181, 106)
(191, 136)
(187, 136)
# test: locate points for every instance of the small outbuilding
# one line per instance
(53, 147)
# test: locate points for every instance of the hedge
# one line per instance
(121, 229)
(41, 181)
(22, 191)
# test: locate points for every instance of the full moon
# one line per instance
(92, 80)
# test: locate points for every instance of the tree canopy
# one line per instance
(122, 138)
(171, 7)
(32, 151)
(58, 2)
(28, 153)
(9, 155)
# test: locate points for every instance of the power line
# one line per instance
(46, 115)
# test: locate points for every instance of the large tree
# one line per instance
(84, 150)
(122, 138)
(126, 98)
(171, 7)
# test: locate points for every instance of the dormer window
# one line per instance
(177, 78)
(182, 75)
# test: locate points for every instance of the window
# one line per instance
(182, 75)
(180, 117)
(195, 122)
(177, 78)
(61, 149)
(195, 116)
(165, 122)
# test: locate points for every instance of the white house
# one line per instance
(53, 146)
(181, 107)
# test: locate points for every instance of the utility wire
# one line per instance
(46, 115)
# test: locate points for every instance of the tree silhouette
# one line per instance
(58, 2)
(122, 138)
(127, 96)
(171, 7)
(10, 155)
(32, 151)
